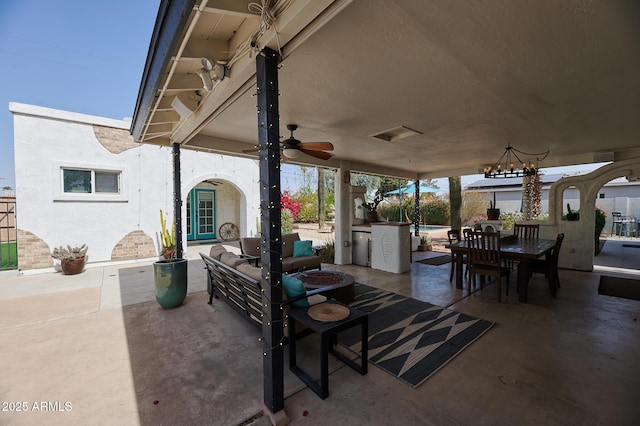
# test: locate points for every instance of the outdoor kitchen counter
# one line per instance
(391, 246)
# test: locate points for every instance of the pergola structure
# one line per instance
(401, 88)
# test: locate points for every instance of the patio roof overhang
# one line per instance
(469, 77)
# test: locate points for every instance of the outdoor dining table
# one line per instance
(523, 251)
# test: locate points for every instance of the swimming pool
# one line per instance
(428, 228)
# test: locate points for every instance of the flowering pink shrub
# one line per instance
(289, 203)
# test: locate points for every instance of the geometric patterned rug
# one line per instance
(436, 261)
(408, 338)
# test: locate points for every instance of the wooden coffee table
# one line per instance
(344, 292)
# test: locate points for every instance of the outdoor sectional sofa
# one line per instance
(292, 261)
(239, 284)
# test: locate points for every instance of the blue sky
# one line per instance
(80, 56)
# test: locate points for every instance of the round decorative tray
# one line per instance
(328, 312)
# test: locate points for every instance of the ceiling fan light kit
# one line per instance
(291, 153)
(292, 147)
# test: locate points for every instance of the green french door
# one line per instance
(201, 214)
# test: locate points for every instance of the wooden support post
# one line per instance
(177, 199)
(271, 233)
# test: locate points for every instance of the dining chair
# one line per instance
(549, 266)
(453, 236)
(526, 231)
(485, 260)
(616, 220)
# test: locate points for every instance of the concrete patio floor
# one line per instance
(99, 342)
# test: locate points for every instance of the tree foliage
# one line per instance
(474, 207)
(286, 221)
(290, 203)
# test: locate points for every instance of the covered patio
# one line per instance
(411, 91)
(100, 341)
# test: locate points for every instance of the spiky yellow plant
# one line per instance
(167, 238)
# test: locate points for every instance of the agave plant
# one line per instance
(69, 253)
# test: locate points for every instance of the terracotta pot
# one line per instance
(72, 267)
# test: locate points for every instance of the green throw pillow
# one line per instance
(302, 248)
(293, 287)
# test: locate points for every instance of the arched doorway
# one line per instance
(209, 204)
(619, 247)
(578, 249)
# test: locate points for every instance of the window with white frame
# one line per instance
(83, 181)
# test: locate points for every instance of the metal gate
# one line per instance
(8, 233)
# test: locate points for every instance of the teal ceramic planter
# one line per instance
(170, 278)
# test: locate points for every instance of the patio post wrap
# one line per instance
(271, 233)
(177, 199)
(416, 212)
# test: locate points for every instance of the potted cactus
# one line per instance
(493, 213)
(169, 273)
(572, 215)
(72, 259)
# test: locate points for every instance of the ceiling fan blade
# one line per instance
(318, 154)
(316, 146)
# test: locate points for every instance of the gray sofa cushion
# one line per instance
(250, 246)
(287, 243)
(292, 264)
(231, 259)
(217, 251)
(252, 271)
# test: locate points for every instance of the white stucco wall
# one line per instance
(47, 139)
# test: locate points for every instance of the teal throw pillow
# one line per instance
(293, 287)
(302, 248)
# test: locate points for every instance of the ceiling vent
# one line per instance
(395, 134)
(603, 157)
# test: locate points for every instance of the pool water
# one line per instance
(427, 228)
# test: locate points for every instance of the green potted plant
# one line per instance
(425, 243)
(72, 259)
(169, 273)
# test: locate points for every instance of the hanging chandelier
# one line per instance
(508, 165)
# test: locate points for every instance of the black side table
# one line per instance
(328, 335)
